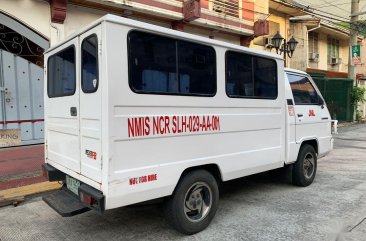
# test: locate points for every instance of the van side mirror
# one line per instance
(321, 102)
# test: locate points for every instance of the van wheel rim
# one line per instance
(197, 202)
(309, 165)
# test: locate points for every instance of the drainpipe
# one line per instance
(57, 31)
(53, 25)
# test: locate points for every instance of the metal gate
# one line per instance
(21, 97)
(337, 95)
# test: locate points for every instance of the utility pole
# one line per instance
(355, 8)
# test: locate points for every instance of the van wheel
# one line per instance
(304, 169)
(194, 203)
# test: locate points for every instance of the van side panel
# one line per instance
(150, 146)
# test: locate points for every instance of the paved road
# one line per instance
(260, 207)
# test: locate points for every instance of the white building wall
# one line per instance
(33, 13)
(36, 15)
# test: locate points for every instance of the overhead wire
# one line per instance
(333, 5)
(334, 19)
(311, 9)
(325, 18)
(344, 2)
(344, 23)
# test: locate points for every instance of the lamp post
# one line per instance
(283, 46)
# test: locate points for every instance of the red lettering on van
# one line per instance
(133, 181)
(139, 126)
(143, 179)
(163, 125)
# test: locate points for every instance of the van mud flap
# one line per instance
(65, 203)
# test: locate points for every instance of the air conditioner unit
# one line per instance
(313, 56)
(335, 60)
(268, 43)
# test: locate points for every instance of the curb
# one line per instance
(15, 195)
(351, 123)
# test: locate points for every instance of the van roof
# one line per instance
(170, 32)
(295, 71)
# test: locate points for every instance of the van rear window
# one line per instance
(61, 73)
(89, 64)
(162, 65)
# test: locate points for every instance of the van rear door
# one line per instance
(62, 105)
(91, 105)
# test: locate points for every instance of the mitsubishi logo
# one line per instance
(311, 113)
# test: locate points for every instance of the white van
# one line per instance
(136, 112)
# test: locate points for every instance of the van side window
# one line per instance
(302, 90)
(89, 64)
(250, 76)
(161, 65)
(61, 73)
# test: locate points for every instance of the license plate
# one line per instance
(72, 184)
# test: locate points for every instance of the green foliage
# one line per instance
(358, 95)
(358, 116)
(361, 26)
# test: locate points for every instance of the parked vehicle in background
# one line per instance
(136, 112)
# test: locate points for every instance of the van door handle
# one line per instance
(324, 118)
(73, 111)
(300, 115)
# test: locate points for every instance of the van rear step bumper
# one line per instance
(65, 203)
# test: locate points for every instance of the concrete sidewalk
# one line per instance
(20, 166)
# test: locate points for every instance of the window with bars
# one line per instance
(313, 46)
(226, 7)
(333, 48)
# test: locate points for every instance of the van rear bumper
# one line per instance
(52, 174)
(65, 203)
(68, 203)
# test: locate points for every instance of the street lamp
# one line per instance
(285, 47)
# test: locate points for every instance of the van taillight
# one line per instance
(92, 197)
(87, 199)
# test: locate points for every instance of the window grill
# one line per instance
(19, 45)
(226, 7)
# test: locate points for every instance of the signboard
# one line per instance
(356, 54)
(10, 137)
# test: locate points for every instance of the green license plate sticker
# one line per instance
(72, 184)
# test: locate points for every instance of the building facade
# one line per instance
(29, 27)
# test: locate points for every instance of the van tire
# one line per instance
(304, 169)
(197, 190)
